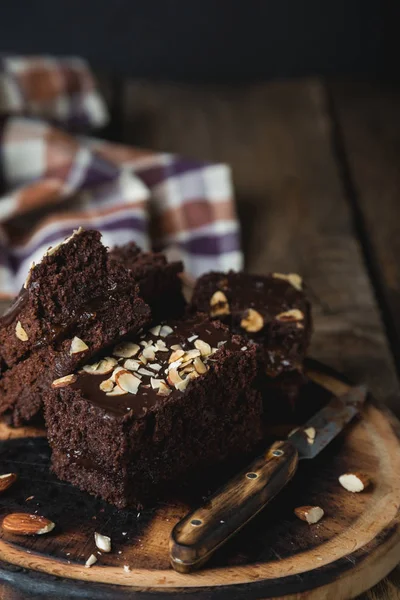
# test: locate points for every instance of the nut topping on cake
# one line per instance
(219, 304)
(127, 381)
(104, 366)
(252, 321)
(106, 386)
(165, 330)
(163, 389)
(295, 280)
(77, 346)
(199, 365)
(205, 349)
(20, 332)
(290, 316)
(126, 350)
(176, 355)
(64, 381)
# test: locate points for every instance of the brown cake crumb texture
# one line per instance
(159, 282)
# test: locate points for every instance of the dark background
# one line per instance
(211, 40)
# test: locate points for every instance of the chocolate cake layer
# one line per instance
(270, 310)
(159, 282)
(190, 404)
(64, 290)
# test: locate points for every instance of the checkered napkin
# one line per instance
(52, 182)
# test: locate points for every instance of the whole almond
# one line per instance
(25, 524)
(6, 481)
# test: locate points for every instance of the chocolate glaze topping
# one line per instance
(146, 397)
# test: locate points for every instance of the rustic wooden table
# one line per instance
(317, 178)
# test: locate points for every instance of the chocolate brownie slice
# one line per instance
(159, 282)
(65, 292)
(272, 311)
(113, 311)
(158, 407)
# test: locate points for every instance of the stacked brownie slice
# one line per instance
(73, 304)
(272, 312)
(138, 390)
(159, 281)
(157, 407)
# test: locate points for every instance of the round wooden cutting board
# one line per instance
(355, 545)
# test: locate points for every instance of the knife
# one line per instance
(196, 537)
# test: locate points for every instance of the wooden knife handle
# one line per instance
(195, 538)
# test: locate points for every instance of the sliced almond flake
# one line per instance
(199, 366)
(77, 346)
(104, 366)
(142, 359)
(243, 348)
(192, 338)
(162, 346)
(155, 330)
(176, 355)
(73, 234)
(182, 385)
(103, 542)
(64, 381)
(173, 377)
(176, 347)
(52, 249)
(163, 390)
(174, 365)
(126, 350)
(117, 391)
(90, 561)
(191, 354)
(21, 333)
(293, 278)
(205, 349)
(155, 383)
(145, 343)
(131, 364)
(187, 368)
(106, 386)
(148, 353)
(115, 372)
(90, 368)
(127, 381)
(221, 343)
(155, 367)
(143, 371)
(166, 330)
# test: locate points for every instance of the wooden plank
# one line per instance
(368, 120)
(277, 138)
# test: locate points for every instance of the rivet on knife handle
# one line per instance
(195, 538)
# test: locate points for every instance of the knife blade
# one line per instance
(196, 537)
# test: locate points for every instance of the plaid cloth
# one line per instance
(53, 182)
